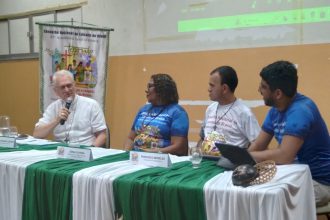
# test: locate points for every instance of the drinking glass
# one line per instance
(13, 132)
(4, 125)
(196, 156)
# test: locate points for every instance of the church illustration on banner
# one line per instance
(80, 62)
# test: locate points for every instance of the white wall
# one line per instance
(151, 26)
(126, 17)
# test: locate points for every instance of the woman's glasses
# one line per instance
(150, 85)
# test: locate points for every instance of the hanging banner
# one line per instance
(82, 51)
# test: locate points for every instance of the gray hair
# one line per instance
(62, 73)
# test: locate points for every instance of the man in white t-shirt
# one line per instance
(226, 120)
(83, 122)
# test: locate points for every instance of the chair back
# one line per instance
(107, 141)
(324, 210)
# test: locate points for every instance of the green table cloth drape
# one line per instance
(48, 187)
(174, 193)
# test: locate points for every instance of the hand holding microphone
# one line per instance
(64, 112)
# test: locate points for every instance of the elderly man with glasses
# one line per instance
(72, 118)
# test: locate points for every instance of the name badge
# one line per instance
(8, 142)
(150, 159)
(82, 154)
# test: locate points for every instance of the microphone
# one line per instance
(67, 106)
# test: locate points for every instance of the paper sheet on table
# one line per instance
(35, 141)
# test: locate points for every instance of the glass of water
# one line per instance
(4, 125)
(196, 156)
(13, 132)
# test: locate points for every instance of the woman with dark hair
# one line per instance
(161, 125)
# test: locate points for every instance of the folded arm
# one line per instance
(179, 146)
(285, 153)
(128, 145)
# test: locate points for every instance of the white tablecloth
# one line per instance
(12, 174)
(288, 196)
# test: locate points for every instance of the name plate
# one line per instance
(150, 159)
(82, 154)
(8, 142)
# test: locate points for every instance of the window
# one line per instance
(19, 36)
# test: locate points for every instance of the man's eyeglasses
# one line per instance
(69, 86)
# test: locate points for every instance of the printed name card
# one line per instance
(82, 154)
(8, 142)
(150, 159)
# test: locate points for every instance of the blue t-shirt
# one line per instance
(303, 119)
(154, 125)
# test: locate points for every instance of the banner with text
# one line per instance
(82, 51)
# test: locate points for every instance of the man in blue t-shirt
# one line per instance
(297, 125)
